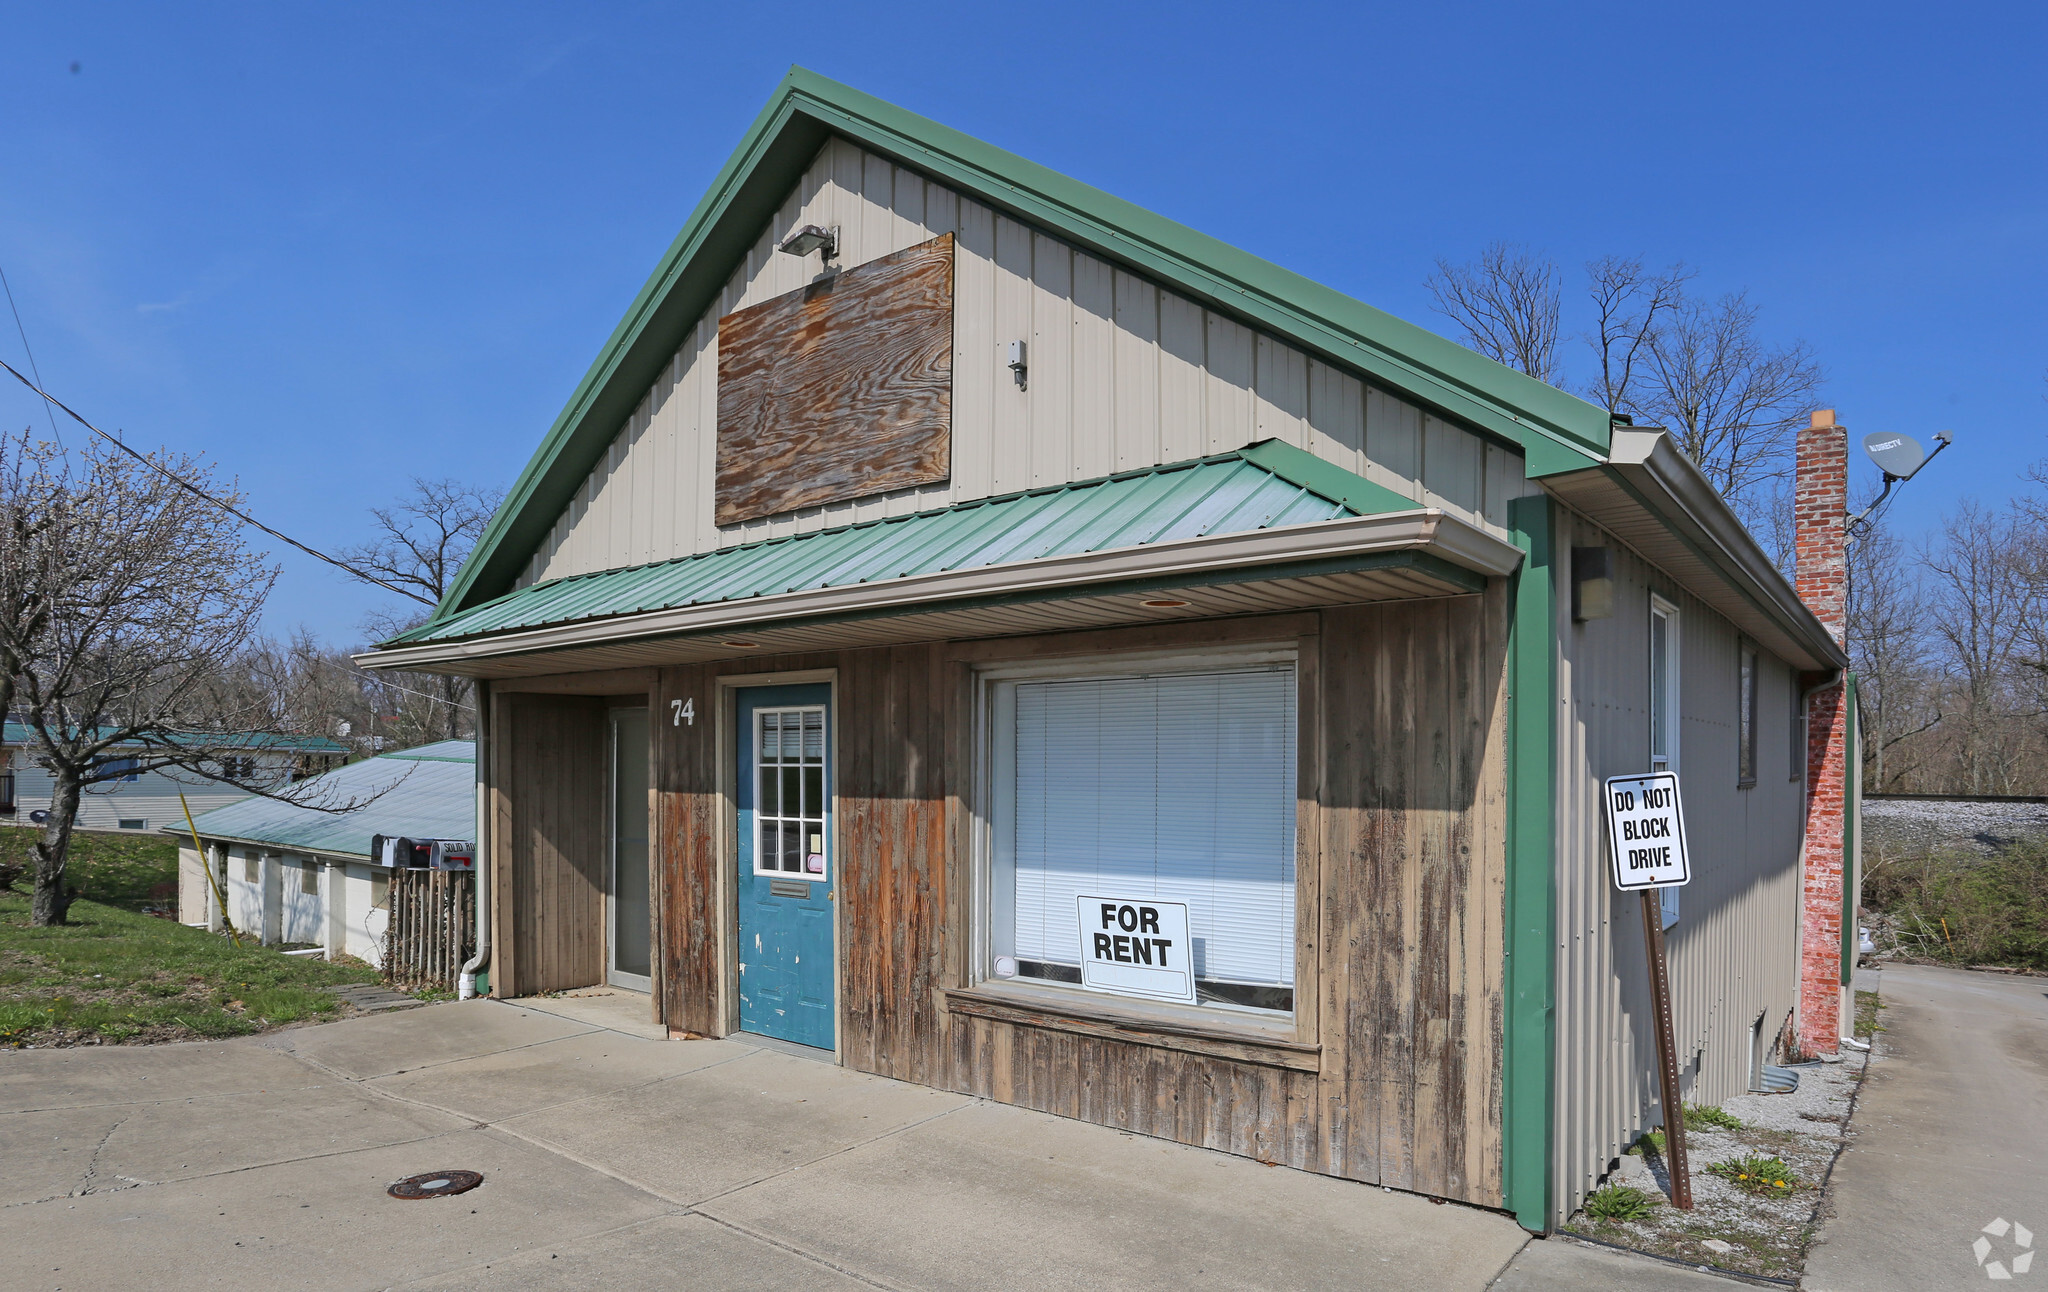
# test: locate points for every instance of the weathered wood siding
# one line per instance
(549, 779)
(840, 389)
(1123, 374)
(1415, 881)
(1734, 950)
(1392, 1074)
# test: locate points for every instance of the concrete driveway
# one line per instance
(618, 1161)
(1952, 1137)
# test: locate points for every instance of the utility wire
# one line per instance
(189, 487)
(30, 353)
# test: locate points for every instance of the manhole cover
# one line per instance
(435, 1184)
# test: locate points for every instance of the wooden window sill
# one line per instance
(1055, 1012)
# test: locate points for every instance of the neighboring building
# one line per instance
(148, 800)
(939, 542)
(293, 873)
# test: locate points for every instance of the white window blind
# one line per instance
(1179, 788)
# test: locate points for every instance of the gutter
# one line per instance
(1427, 530)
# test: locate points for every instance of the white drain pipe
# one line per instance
(466, 984)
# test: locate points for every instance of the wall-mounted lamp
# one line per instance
(1592, 583)
(1017, 365)
(811, 238)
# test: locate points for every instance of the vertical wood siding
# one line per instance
(1401, 981)
(1414, 872)
(1123, 374)
(549, 780)
(1734, 951)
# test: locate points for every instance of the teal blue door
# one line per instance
(787, 870)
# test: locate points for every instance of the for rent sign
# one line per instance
(1646, 831)
(1136, 946)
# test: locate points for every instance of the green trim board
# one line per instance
(1555, 431)
(1529, 1045)
(1263, 487)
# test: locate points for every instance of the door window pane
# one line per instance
(790, 766)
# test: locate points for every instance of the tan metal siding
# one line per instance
(1123, 374)
(1734, 950)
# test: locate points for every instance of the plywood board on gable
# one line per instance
(838, 390)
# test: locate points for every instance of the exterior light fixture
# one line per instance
(742, 644)
(811, 238)
(1592, 583)
(1164, 603)
(1018, 367)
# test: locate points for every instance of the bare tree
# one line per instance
(1979, 614)
(1629, 305)
(1732, 402)
(150, 593)
(420, 545)
(1507, 303)
(1888, 648)
(28, 493)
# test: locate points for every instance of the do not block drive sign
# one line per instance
(1646, 832)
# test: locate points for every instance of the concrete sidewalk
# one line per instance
(618, 1161)
(1951, 1137)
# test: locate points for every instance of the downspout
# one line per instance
(485, 859)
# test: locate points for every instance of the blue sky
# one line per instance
(333, 247)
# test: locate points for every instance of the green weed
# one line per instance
(1620, 1202)
(1708, 1115)
(1757, 1174)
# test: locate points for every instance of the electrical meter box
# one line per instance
(454, 854)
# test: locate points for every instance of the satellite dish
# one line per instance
(1896, 455)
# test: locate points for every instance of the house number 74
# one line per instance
(685, 709)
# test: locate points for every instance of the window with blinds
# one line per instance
(1179, 788)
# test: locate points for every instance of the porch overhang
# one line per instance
(1422, 552)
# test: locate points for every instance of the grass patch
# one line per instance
(131, 870)
(1757, 1174)
(1960, 909)
(1620, 1202)
(118, 975)
(1867, 1005)
(1697, 1115)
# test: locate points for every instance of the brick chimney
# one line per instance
(1820, 497)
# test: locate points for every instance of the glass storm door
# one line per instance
(630, 904)
(785, 862)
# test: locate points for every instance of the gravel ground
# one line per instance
(1767, 1235)
(1912, 826)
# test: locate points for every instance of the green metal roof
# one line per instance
(1266, 485)
(427, 793)
(1554, 431)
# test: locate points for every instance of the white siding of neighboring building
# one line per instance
(1734, 950)
(151, 798)
(342, 915)
(1122, 375)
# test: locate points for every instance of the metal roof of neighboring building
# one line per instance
(428, 792)
(17, 733)
(1263, 487)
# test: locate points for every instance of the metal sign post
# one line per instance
(1646, 831)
